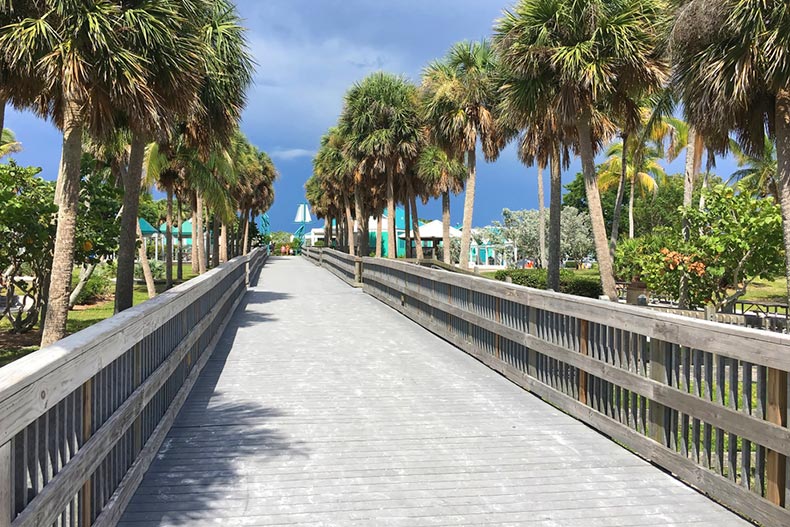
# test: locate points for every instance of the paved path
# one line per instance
(322, 406)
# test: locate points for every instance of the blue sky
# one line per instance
(308, 53)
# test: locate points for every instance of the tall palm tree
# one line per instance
(462, 95)
(642, 173)
(444, 174)
(119, 49)
(337, 168)
(732, 68)
(382, 122)
(588, 62)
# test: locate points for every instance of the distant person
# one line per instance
(282, 250)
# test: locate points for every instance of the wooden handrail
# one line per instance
(705, 401)
(69, 406)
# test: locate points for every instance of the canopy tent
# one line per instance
(147, 229)
(186, 229)
(433, 231)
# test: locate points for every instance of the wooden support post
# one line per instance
(6, 485)
(583, 349)
(137, 427)
(532, 359)
(86, 496)
(776, 412)
(357, 270)
(658, 372)
(496, 335)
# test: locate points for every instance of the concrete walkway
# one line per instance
(322, 406)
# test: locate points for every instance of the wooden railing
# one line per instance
(347, 268)
(81, 420)
(703, 400)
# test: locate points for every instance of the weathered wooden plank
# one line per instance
(755, 429)
(50, 502)
(6, 484)
(34, 383)
(747, 344)
(776, 412)
(717, 487)
(117, 504)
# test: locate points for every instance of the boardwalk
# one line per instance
(322, 406)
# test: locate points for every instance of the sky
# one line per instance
(308, 53)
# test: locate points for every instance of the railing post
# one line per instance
(357, 270)
(658, 372)
(86, 496)
(776, 412)
(584, 350)
(6, 483)
(532, 358)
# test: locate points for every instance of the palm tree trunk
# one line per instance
(379, 241)
(364, 233)
(215, 229)
(63, 258)
(469, 204)
(618, 204)
(3, 102)
(198, 235)
(415, 222)
(555, 219)
(542, 218)
(446, 256)
(631, 210)
(407, 226)
(705, 178)
(169, 239)
(180, 254)
(783, 172)
(147, 274)
(223, 242)
(391, 232)
(124, 285)
(349, 224)
(594, 202)
(246, 241)
(86, 271)
(689, 180)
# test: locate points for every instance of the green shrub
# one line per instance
(157, 269)
(97, 287)
(572, 264)
(570, 282)
(582, 286)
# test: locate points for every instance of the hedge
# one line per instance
(570, 282)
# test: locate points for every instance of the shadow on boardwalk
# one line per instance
(205, 462)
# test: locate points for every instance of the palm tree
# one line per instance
(732, 68)
(337, 168)
(118, 48)
(588, 62)
(757, 173)
(444, 174)
(8, 143)
(642, 174)
(382, 122)
(461, 97)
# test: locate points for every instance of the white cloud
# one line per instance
(288, 154)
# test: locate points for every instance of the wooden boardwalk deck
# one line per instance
(322, 406)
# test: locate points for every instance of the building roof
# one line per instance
(433, 230)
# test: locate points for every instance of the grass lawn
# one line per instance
(13, 347)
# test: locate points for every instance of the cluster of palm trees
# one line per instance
(564, 78)
(158, 83)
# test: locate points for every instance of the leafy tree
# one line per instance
(575, 234)
(26, 240)
(734, 240)
(576, 196)
(732, 69)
